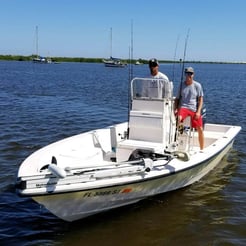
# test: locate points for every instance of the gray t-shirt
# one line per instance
(189, 95)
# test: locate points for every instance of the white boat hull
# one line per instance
(77, 205)
(114, 63)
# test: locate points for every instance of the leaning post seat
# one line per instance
(150, 122)
(146, 120)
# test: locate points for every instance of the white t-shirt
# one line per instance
(158, 86)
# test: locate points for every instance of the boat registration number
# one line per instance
(107, 192)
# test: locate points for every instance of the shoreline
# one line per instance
(100, 60)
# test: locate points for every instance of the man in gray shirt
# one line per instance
(189, 102)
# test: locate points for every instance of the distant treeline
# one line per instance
(55, 59)
(70, 59)
(95, 60)
(76, 59)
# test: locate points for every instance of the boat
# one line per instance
(38, 58)
(138, 63)
(111, 167)
(112, 61)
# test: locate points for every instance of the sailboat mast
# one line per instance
(111, 37)
(37, 41)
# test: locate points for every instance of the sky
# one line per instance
(214, 29)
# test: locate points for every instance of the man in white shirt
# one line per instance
(159, 86)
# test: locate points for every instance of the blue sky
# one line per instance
(82, 28)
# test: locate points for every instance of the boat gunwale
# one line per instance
(213, 156)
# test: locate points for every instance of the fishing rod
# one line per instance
(131, 53)
(130, 77)
(181, 81)
(172, 121)
(184, 57)
(174, 58)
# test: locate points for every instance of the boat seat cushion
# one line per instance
(126, 147)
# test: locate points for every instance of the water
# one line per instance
(42, 103)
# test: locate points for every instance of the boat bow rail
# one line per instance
(53, 179)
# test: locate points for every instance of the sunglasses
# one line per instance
(189, 73)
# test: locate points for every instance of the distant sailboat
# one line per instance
(138, 63)
(39, 59)
(112, 61)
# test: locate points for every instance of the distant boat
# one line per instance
(40, 59)
(138, 63)
(113, 62)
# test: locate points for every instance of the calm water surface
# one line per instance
(41, 103)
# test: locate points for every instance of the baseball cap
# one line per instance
(153, 62)
(189, 70)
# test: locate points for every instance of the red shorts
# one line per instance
(184, 112)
